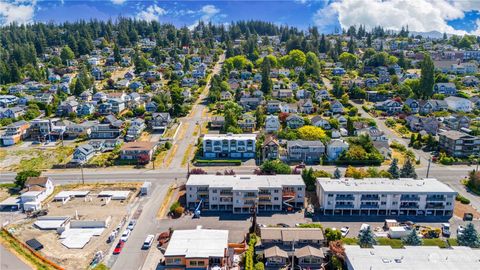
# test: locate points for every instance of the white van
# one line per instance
(148, 241)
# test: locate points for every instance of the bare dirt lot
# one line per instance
(89, 208)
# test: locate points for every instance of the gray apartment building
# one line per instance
(238, 193)
(383, 196)
(459, 144)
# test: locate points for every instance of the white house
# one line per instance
(459, 104)
(272, 124)
(335, 149)
(36, 190)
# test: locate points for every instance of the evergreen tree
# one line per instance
(394, 170)
(66, 54)
(267, 84)
(350, 127)
(366, 239)
(469, 237)
(337, 174)
(302, 78)
(79, 88)
(427, 78)
(412, 239)
(408, 170)
(309, 178)
(116, 54)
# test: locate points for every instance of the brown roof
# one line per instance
(40, 180)
(292, 234)
(309, 251)
(36, 188)
(275, 252)
(138, 146)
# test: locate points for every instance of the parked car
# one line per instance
(344, 231)
(364, 227)
(148, 241)
(468, 217)
(446, 229)
(119, 247)
(125, 235)
(460, 230)
(131, 224)
(283, 225)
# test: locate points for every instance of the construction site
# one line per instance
(77, 223)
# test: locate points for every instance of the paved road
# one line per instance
(424, 157)
(186, 137)
(9, 261)
(132, 256)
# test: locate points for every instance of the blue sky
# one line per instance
(421, 15)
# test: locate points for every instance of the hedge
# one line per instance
(218, 162)
(462, 199)
(394, 243)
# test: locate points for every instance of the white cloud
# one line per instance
(325, 18)
(151, 13)
(419, 15)
(20, 11)
(208, 13)
(118, 2)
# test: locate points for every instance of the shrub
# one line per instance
(310, 225)
(435, 242)
(176, 209)
(168, 145)
(394, 243)
(462, 199)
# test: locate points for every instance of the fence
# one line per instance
(35, 253)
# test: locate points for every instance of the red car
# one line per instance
(119, 247)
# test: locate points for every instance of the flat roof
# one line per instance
(114, 193)
(50, 223)
(245, 182)
(10, 201)
(412, 257)
(198, 243)
(229, 136)
(71, 193)
(383, 185)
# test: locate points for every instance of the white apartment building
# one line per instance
(241, 146)
(238, 193)
(383, 196)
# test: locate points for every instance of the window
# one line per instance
(330, 195)
(384, 203)
(275, 198)
(394, 203)
(214, 191)
(299, 188)
(275, 191)
(173, 261)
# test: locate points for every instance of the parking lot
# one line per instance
(238, 225)
(90, 208)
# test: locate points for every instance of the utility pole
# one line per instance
(83, 178)
(428, 168)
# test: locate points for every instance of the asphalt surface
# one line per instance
(9, 261)
(133, 256)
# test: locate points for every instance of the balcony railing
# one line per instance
(409, 198)
(369, 206)
(409, 206)
(436, 199)
(344, 206)
(345, 198)
(370, 198)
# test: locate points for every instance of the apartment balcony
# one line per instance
(344, 198)
(369, 206)
(226, 193)
(264, 200)
(409, 206)
(409, 198)
(249, 202)
(250, 195)
(370, 198)
(435, 199)
(344, 206)
(435, 206)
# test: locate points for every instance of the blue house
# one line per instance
(338, 71)
(85, 109)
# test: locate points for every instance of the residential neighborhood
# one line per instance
(137, 142)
